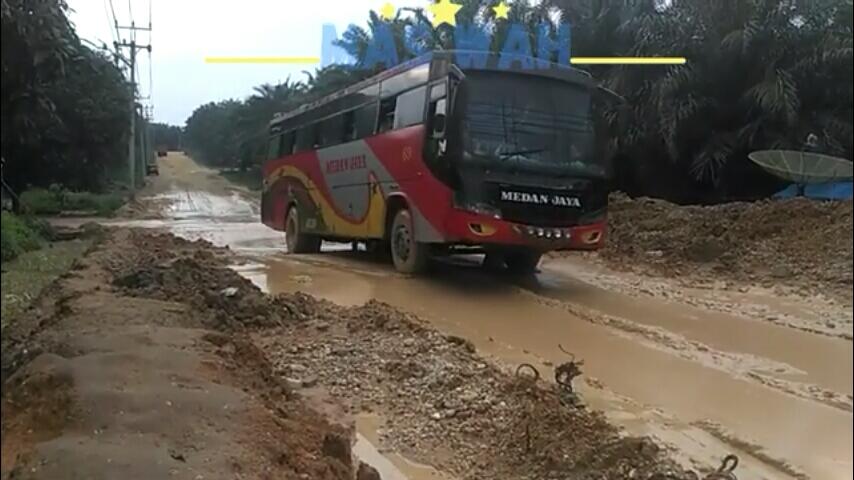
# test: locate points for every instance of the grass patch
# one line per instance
(21, 234)
(53, 201)
(250, 179)
(24, 278)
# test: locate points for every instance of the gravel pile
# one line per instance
(445, 406)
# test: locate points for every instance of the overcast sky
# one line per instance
(187, 31)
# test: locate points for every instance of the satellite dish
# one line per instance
(803, 167)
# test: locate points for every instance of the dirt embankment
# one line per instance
(137, 364)
(799, 244)
(152, 359)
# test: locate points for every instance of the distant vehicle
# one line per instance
(162, 153)
(152, 169)
(428, 159)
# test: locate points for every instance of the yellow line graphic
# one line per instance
(573, 60)
(268, 60)
(628, 60)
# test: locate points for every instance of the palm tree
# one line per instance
(762, 74)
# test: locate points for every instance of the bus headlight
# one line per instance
(481, 209)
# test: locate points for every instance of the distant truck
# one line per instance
(161, 152)
(151, 168)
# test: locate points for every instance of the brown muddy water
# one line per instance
(649, 388)
(704, 381)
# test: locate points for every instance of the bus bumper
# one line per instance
(475, 229)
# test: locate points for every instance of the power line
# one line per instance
(109, 22)
(150, 62)
(115, 21)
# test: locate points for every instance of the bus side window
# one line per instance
(306, 138)
(286, 146)
(387, 112)
(332, 131)
(410, 108)
(349, 128)
(273, 151)
(366, 120)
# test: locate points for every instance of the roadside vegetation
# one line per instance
(28, 274)
(56, 200)
(32, 259)
(65, 105)
(166, 136)
(22, 234)
(685, 130)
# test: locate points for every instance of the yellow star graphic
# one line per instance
(444, 12)
(387, 11)
(501, 10)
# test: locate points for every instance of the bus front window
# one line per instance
(525, 120)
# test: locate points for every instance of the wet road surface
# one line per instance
(706, 381)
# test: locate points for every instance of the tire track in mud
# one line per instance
(740, 365)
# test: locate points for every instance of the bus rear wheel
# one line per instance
(408, 255)
(296, 240)
(523, 262)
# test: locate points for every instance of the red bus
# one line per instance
(428, 158)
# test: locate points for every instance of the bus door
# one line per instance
(346, 175)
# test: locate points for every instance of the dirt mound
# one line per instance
(798, 243)
(227, 299)
(165, 267)
(111, 375)
(446, 406)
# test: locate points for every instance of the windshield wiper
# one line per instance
(521, 152)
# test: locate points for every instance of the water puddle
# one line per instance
(390, 465)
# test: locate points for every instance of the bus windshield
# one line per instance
(524, 120)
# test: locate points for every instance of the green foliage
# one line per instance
(166, 136)
(65, 107)
(26, 276)
(18, 236)
(233, 133)
(761, 74)
(55, 200)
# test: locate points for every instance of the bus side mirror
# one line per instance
(439, 125)
(439, 121)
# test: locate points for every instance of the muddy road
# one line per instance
(705, 371)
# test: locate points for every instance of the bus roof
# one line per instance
(490, 60)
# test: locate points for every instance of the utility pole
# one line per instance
(131, 63)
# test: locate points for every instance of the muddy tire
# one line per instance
(408, 255)
(296, 240)
(522, 262)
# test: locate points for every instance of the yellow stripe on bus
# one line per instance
(371, 227)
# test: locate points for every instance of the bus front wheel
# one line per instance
(296, 240)
(409, 256)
